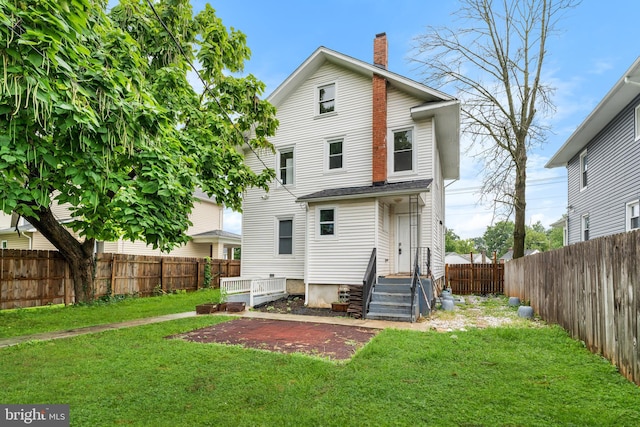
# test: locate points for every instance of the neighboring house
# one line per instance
(456, 258)
(509, 255)
(602, 158)
(562, 224)
(208, 239)
(361, 155)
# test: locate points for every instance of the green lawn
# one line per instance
(509, 376)
(57, 318)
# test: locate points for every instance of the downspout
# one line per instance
(305, 206)
(30, 241)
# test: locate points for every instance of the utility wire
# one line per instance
(208, 90)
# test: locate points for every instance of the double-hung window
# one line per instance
(584, 164)
(285, 236)
(326, 99)
(403, 154)
(335, 154)
(637, 122)
(327, 221)
(585, 227)
(286, 166)
(633, 215)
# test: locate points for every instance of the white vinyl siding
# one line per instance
(343, 259)
(384, 235)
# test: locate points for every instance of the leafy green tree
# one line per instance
(536, 237)
(96, 113)
(499, 237)
(453, 243)
(556, 237)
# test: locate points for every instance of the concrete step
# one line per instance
(390, 317)
(394, 280)
(392, 297)
(390, 308)
(397, 288)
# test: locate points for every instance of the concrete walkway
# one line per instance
(346, 321)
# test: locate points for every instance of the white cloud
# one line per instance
(232, 221)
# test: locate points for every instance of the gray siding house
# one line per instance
(602, 158)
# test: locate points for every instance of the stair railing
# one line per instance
(415, 279)
(367, 283)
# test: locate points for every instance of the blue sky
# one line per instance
(598, 42)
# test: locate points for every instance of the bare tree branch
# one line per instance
(495, 64)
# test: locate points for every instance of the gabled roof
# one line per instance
(445, 108)
(388, 189)
(509, 255)
(622, 93)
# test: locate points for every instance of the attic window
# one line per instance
(327, 98)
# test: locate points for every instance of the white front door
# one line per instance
(403, 245)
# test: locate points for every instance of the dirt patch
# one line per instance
(331, 341)
(294, 304)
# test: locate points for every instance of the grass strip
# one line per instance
(35, 320)
(508, 376)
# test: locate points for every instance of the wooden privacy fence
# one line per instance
(467, 279)
(35, 278)
(591, 289)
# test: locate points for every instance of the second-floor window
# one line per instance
(403, 150)
(335, 154)
(326, 99)
(585, 227)
(584, 165)
(633, 215)
(637, 122)
(286, 166)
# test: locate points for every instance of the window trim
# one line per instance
(391, 152)
(316, 107)
(4, 244)
(584, 171)
(335, 222)
(279, 152)
(636, 117)
(583, 228)
(628, 207)
(327, 154)
(278, 220)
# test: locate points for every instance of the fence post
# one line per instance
(113, 274)
(198, 275)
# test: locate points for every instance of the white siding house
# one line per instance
(207, 237)
(361, 155)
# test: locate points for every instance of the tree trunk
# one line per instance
(520, 205)
(78, 254)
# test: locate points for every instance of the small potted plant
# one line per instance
(222, 300)
(342, 304)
